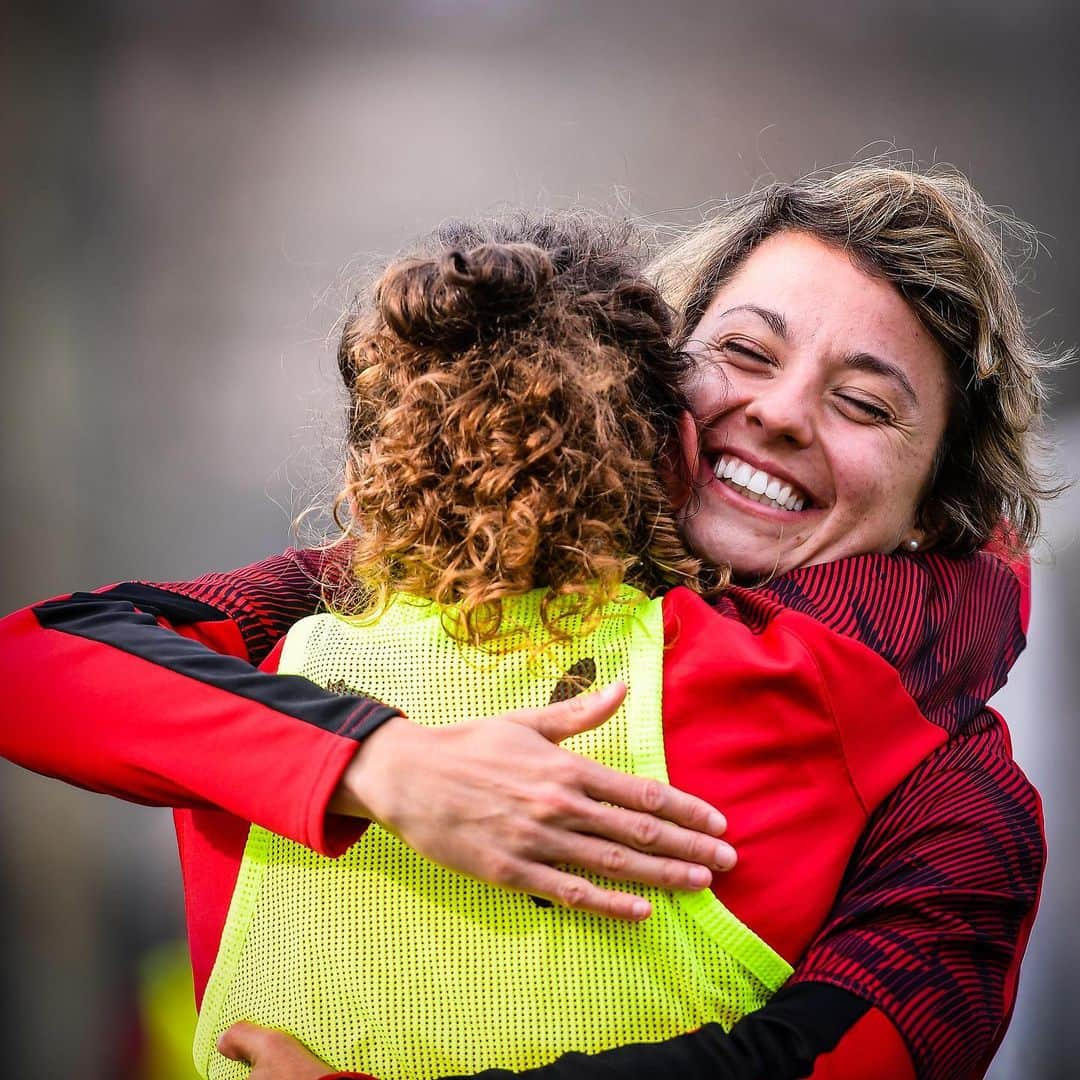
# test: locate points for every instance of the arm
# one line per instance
(934, 914)
(147, 692)
(791, 1036)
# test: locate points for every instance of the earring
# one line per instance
(912, 545)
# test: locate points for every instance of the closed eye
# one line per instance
(739, 349)
(864, 411)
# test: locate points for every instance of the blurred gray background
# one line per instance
(186, 190)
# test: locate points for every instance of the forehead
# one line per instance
(818, 288)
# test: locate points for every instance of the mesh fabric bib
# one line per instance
(383, 962)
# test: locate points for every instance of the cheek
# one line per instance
(680, 459)
(880, 494)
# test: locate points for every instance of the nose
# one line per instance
(782, 408)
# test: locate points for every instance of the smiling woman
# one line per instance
(861, 391)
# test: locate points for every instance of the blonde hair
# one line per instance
(512, 387)
(946, 251)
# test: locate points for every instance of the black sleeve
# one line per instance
(781, 1041)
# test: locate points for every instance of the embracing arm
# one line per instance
(935, 912)
(790, 1037)
(813, 1031)
(148, 692)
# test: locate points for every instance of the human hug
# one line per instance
(634, 719)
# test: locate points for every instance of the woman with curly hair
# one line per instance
(840, 332)
(510, 396)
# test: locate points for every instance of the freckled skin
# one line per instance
(850, 436)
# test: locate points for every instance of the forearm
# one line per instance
(809, 1030)
(119, 693)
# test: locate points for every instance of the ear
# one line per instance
(679, 460)
(925, 528)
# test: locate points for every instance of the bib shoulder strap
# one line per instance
(296, 643)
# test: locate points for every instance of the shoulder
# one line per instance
(713, 652)
(970, 801)
(890, 600)
(952, 628)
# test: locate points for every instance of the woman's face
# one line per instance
(820, 402)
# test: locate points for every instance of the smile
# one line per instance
(757, 485)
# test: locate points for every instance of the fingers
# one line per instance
(565, 718)
(650, 797)
(610, 842)
(628, 845)
(244, 1041)
(273, 1055)
(570, 891)
(654, 799)
(619, 862)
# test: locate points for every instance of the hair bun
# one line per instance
(463, 296)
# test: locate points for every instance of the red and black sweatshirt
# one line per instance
(889, 846)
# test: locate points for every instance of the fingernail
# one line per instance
(640, 909)
(717, 823)
(725, 857)
(700, 876)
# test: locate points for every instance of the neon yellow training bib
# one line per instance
(383, 962)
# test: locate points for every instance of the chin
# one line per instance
(750, 563)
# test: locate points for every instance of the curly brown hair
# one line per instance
(512, 385)
(952, 257)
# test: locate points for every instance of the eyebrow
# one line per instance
(874, 365)
(773, 319)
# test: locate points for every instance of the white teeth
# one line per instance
(757, 484)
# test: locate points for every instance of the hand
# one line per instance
(273, 1055)
(500, 800)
